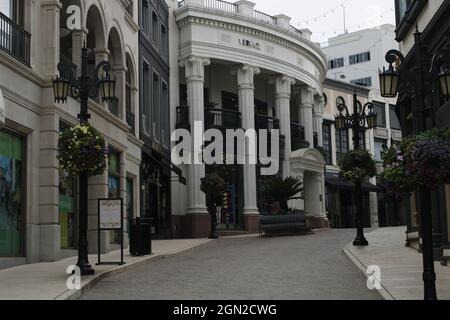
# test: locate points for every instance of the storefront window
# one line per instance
(11, 195)
(114, 186)
(67, 209)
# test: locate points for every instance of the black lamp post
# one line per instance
(419, 83)
(357, 122)
(84, 87)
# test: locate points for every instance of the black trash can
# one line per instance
(140, 237)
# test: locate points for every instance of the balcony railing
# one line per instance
(14, 40)
(183, 118)
(129, 8)
(131, 120)
(264, 17)
(298, 137)
(69, 69)
(222, 5)
(222, 119)
(266, 122)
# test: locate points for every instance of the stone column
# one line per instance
(50, 11)
(119, 74)
(246, 91)
(78, 41)
(318, 118)
(307, 106)
(195, 79)
(282, 103)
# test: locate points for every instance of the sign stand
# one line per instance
(110, 218)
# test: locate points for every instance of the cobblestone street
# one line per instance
(301, 267)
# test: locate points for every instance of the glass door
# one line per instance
(11, 193)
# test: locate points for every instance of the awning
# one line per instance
(345, 185)
(169, 166)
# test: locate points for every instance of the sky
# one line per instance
(325, 18)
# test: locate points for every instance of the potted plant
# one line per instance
(214, 187)
(82, 149)
(420, 160)
(357, 165)
(282, 190)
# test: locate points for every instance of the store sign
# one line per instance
(2, 110)
(110, 214)
(250, 44)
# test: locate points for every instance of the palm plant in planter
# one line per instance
(282, 190)
(213, 186)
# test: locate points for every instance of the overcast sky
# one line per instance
(318, 15)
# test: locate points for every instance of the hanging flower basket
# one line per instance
(82, 149)
(357, 165)
(421, 160)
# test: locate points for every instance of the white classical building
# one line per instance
(38, 202)
(234, 67)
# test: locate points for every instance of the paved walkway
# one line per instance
(47, 281)
(247, 268)
(401, 267)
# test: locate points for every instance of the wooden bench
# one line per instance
(283, 224)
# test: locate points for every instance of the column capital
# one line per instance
(83, 30)
(51, 3)
(246, 75)
(195, 67)
(119, 68)
(307, 96)
(101, 51)
(283, 85)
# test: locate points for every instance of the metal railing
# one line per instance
(266, 122)
(183, 118)
(129, 8)
(14, 40)
(264, 17)
(222, 119)
(131, 120)
(69, 69)
(222, 5)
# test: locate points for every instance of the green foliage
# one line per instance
(357, 165)
(213, 186)
(82, 149)
(283, 190)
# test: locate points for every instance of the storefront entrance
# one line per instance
(11, 195)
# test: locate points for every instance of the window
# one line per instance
(402, 8)
(379, 149)
(326, 132)
(365, 82)
(230, 101)
(360, 58)
(336, 63)
(146, 17)
(156, 108)
(395, 123)
(341, 144)
(114, 187)
(146, 115)
(155, 28)
(165, 126)
(362, 140)
(380, 109)
(128, 88)
(164, 43)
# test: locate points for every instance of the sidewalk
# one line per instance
(401, 267)
(47, 281)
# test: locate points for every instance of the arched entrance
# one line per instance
(309, 165)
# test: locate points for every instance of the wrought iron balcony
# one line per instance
(222, 119)
(129, 7)
(183, 118)
(69, 70)
(14, 40)
(131, 120)
(266, 123)
(298, 137)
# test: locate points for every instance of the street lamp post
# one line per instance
(84, 88)
(357, 122)
(418, 82)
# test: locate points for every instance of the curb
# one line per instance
(384, 293)
(92, 282)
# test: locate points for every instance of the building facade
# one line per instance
(233, 67)
(431, 19)
(39, 215)
(154, 111)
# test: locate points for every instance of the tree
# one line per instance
(283, 190)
